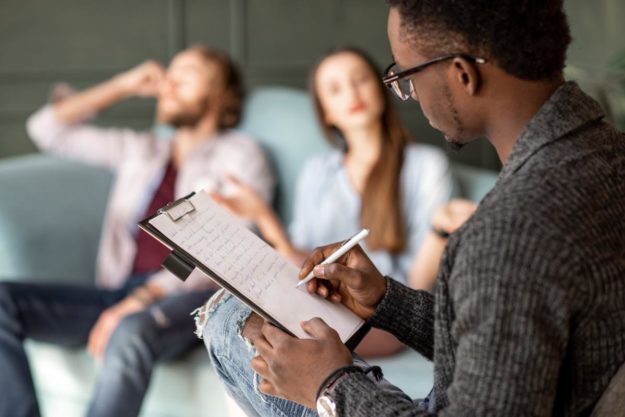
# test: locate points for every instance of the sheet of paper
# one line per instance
(219, 241)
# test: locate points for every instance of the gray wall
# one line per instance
(275, 42)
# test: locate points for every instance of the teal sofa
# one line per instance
(50, 217)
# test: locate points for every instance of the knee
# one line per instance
(133, 340)
(222, 332)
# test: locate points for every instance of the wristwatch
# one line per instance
(326, 406)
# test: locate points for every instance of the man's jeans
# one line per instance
(64, 315)
(231, 355)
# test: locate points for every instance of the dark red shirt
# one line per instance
(150, 253)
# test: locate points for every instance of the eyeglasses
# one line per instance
(395, 79)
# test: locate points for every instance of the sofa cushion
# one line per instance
(51, 211)
(283, 121)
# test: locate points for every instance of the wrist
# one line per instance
(142, 295)
(325, 399)
(120, 88)
(146, 295)
(336, 376)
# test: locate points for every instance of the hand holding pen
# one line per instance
(351, 278)
(342, 250)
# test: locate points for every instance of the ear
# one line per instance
(465, 75)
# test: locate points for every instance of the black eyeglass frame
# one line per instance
(388, 79)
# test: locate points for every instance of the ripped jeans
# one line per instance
(222, 319)
(64, 315)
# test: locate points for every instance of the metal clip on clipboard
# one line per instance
(176, 210)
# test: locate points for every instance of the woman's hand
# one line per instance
(243, 202)
(352, 280)
(246, 203)
(452, 215)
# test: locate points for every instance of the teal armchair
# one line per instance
(51, 213)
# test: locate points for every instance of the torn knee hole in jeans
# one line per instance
(201, 314)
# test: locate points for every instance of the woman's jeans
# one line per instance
(231, 355)
(64, 315)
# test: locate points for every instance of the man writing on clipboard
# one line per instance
(138, 313)
(528, 316)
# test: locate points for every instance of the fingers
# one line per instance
(260, 366)
(262, 369)
(273, 335)
(153, 69)
(324, 289)
(318, 329)
(267, 387)
(316, 257)
(233, 179)
(350, 276)
(218, 198)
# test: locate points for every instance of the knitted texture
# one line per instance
(528, 317)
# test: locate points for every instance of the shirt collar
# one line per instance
(567, 110)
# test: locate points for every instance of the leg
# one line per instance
(163, 331)
(231, 356)
(53, 313)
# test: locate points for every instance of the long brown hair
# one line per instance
(233, 90)
(381, 208)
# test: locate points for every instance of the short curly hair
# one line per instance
(526, 38)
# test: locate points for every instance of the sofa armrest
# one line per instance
(51, 211)
(474, 183)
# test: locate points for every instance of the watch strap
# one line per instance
(340, 373)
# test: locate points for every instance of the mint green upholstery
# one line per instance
(473, 183)
(288, 130)
(50, 217)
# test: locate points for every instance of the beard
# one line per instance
(187, 117)
(454, 143)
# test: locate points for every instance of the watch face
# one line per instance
(326, 407)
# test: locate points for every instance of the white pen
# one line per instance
(346, 247)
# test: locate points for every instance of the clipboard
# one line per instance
(181, 264)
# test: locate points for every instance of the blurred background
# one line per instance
(275, 42)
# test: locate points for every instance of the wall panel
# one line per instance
(275, 42)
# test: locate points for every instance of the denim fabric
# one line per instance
(64, 315)
(231, 355)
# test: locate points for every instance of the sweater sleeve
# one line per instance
(512, 308)
(409, 315)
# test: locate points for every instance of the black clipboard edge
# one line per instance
(187, 263)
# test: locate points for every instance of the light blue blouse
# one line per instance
(327, 207)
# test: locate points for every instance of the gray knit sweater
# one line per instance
(528, 317)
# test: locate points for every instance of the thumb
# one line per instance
(317, 328)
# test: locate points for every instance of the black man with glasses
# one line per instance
(528, 314)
